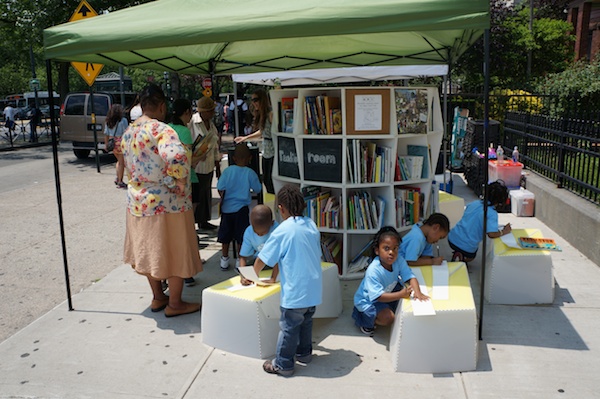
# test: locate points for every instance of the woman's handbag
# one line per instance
(110, 145)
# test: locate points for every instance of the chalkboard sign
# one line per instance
(287, 157)
(323, 160)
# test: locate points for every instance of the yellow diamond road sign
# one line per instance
(89, 72)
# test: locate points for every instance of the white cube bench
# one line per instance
(451, 206)
(442, 343)
(517, 276)
(245, 320)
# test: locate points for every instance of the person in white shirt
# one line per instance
(202, 124)
(9, 116)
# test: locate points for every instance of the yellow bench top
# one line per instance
(501, 249)
(444, 196)
(460, 295)
(232, 287)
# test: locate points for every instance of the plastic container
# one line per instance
(508, 171)
(515, 154)
(500, 154)
(522, 202)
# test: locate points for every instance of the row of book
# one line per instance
(322, 115)
(362, 259)
(368, 162)
(286, 114)
(322, 207)
(331, 248)
(364, 212)
(409, 205)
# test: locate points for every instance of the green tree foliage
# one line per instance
(550, 43)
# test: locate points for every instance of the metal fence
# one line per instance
(557, 138)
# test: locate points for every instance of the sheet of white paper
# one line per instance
(249, 273)
(440, 281)
(421, 308)
(239, 287)
(367, 112)
(510, 241)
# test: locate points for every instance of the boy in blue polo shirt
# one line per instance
(295, 246)
(255, 236)
(417, 248)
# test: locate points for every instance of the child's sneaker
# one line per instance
(224, 263)
(189, 282)
(367, 331)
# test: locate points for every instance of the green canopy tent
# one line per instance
(222, 37)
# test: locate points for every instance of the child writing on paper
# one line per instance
(377, 296)
(465, 237)
(255, 236)
(234, 187)
(296, 246)
(417, 248)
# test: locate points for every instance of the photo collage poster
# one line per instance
(411, 110)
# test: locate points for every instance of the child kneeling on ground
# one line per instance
(295, 246)
(417, 248)
(377, 296)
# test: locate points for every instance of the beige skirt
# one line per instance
(162, 246)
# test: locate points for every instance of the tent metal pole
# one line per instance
(236, 118)
(57, 182)
(486, 116)
(445, 135)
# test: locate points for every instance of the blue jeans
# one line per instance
(295, 337)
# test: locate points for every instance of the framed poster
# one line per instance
(367, 111)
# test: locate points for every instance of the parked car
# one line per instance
(76, 124)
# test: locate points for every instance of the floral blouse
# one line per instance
(152, 151)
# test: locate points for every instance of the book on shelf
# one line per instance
(331, 249)
(411, 110)
(362, 259)
(368, 162)
(336, 121)
(319, 112)
(322, 207)
(422, 151)
(410, 167)
(286, 114)
(364, 213)
(409, 206)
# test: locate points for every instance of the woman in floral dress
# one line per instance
(160, 240)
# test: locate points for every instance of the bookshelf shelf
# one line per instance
(358, 164)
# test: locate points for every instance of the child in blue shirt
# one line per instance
(295, 246)
(417, 248)
(377, 296)
(465, 237)
(234, 187)
(255, 236)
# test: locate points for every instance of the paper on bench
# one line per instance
(250, 274)
(510, 241)
(440, 281)
(421, 308)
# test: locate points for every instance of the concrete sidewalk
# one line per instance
(112, 346)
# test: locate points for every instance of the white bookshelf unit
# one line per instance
(384, 122)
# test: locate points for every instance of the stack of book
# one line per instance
(322, 115)
(409, 206)
(364, 213)
(368, 162)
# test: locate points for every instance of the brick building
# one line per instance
(585, 17)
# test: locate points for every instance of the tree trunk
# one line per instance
(175, 85)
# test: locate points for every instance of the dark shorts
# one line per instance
(233, 226)
(367, 318)
(465, 254)
(195, 193)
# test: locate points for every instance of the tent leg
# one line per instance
(486, 116)
(57, 182)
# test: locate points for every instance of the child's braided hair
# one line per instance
(291, 198)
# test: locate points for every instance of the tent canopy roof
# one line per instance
(235, 36)
(340, 75)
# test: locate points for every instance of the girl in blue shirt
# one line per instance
(377, 297)
(465, 237)
(417, 248)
